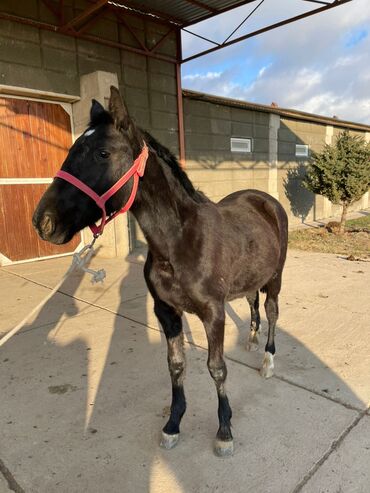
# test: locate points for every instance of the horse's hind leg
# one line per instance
(252, 342)
(272, 313)
(172, 327)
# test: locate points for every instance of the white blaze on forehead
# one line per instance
(89, 132)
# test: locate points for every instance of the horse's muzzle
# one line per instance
(46, 227)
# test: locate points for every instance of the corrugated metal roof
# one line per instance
(181, 12)
(285, 112)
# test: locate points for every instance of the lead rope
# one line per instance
(79, 260)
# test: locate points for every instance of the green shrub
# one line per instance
(341, 172)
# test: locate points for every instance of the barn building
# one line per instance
(55, 56)
(247, 145)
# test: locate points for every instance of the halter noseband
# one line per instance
(136, 171)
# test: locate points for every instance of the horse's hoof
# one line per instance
(267, 369)
(252, 344)
(169, 441)
(224, 449)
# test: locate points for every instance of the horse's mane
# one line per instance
(166, 156)
(104, 117)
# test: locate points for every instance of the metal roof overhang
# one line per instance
(182, 13)
(176, 14)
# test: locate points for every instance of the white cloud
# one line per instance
(346, 61)
(320, 64)
(207, 76)
(263, 70)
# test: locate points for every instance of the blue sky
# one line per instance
(320, 64)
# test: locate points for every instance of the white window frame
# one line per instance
(241, 140)
(302, 150)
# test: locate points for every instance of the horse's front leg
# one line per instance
(172, 326)
(214, 323)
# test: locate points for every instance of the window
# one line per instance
(240, 145)
(301, 150)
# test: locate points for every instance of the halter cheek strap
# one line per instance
(136, 171)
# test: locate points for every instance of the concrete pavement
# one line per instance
(85, 388)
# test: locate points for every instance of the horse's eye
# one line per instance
(104, 154)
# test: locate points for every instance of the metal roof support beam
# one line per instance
(317, 1)
(61, 10)
(91, 21)
(180, 103)
(56, 11)
(159, 43)
(84, 15)
(245, 20)
(202, 37)
(143, 46)
(122, 20)
(336, 3)
(221, 11)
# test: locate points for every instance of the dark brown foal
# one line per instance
(200, 254)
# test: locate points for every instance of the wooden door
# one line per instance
(34, 141)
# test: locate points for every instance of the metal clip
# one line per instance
(83, 257)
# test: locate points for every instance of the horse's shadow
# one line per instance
(94, 401)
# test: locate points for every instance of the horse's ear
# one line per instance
(96, 111)
(118, 109)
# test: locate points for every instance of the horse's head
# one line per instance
(98, 158)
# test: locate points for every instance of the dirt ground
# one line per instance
(85, 388)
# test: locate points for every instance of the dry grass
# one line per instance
(355, 243)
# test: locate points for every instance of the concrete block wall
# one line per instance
(209, 161)
(48, 61)
(300, 204)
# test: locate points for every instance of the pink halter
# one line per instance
(136, 171)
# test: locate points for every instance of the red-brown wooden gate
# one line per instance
(34, 140)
